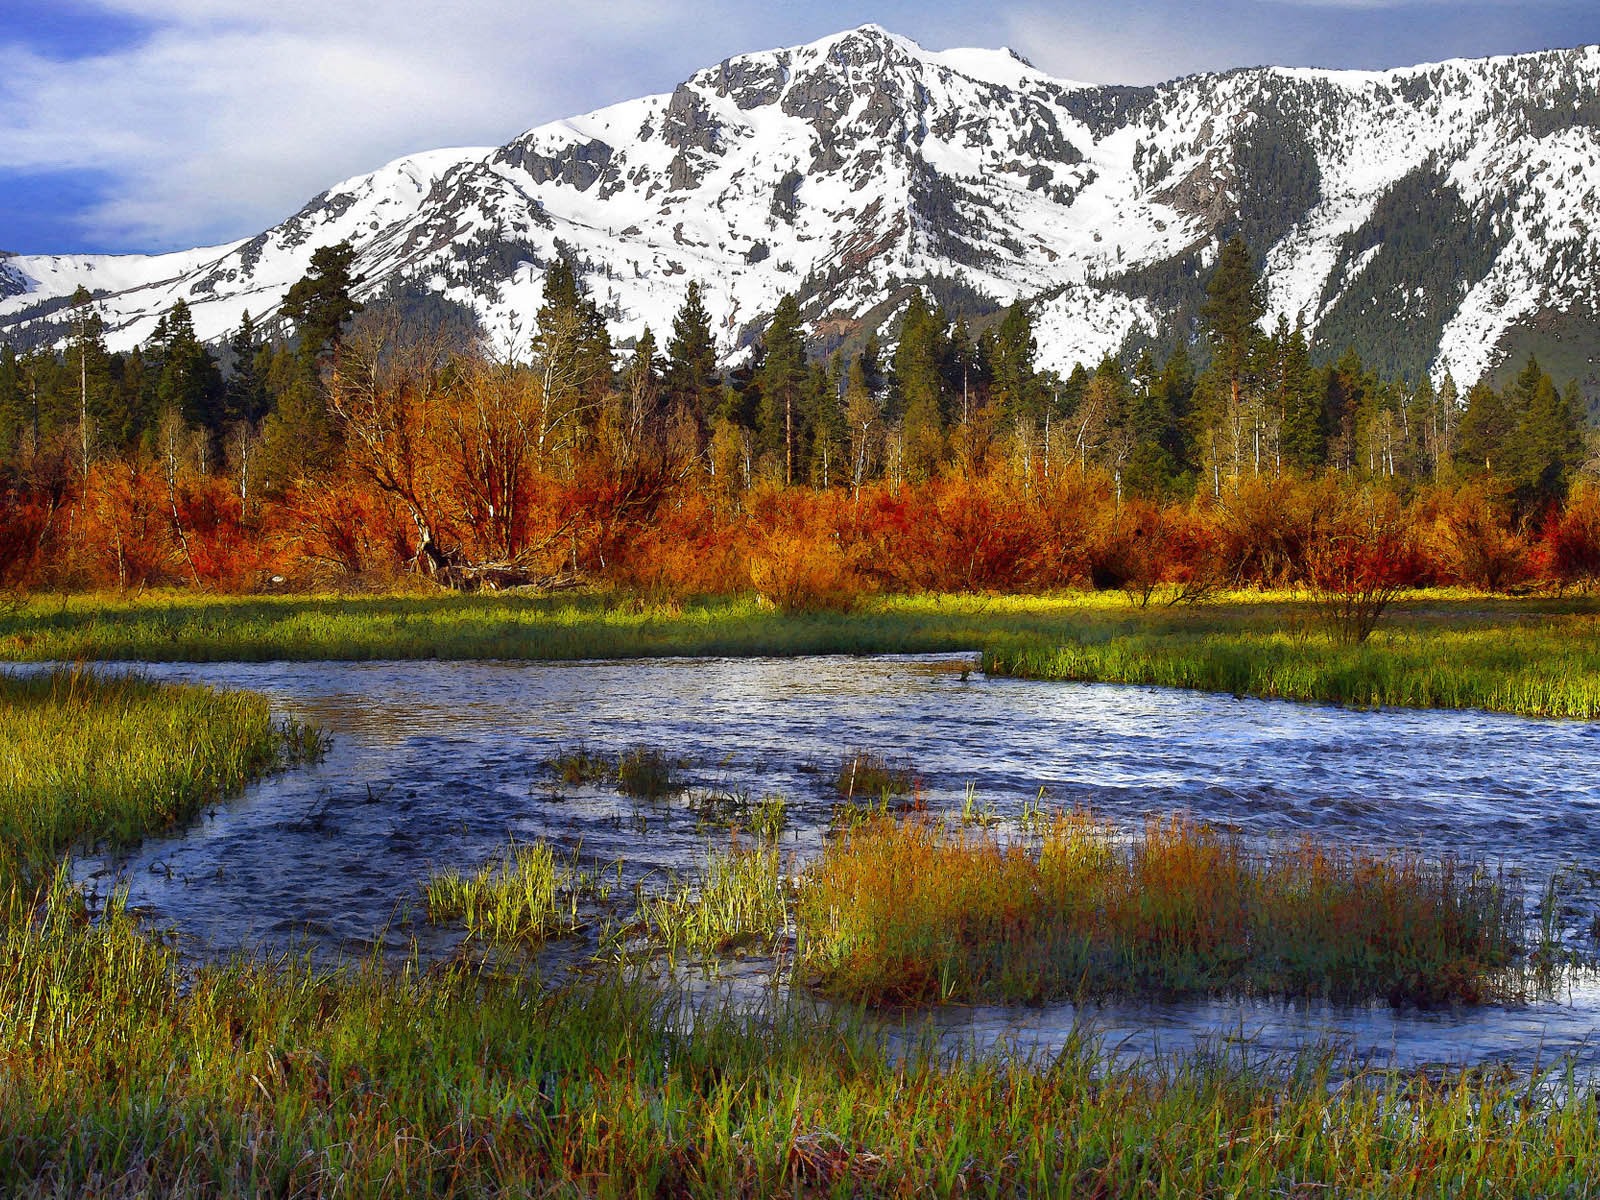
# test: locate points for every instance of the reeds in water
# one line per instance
(528, 895)
(911, 911)
(741, 899)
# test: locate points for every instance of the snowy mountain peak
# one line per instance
(1435, 216)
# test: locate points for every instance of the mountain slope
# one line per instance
(1427, 215)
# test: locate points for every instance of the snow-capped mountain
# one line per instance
(1437, 215)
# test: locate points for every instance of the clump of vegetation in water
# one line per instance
(642, 772)
(528, 896)
(735, 810)
(911, 912)
(769, 817)
(872, 776)
(647, 773)
(739, 900)
(580, 765)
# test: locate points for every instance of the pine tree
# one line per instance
(320, 304)
(188, 382)
(1295, 393)
(1016, 383)
(1486, 426)
(246, 399)
(825, 422)
(89, 361)
(919, 387)
(572, 355)
(1344, 397)
(783, 380)
(1229, 416)
(1545, 444)
(692, 378)
(1234, 303)
(13, 407)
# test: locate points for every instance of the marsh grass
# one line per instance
(866, 775)
(735, 810)
(1446, 649)
(740, 900)
(1548, 668)
(127, 1077)
(89, 758)
(911, 911)
(642, 772)
(647, 773)
(528, 895)
(580, 765)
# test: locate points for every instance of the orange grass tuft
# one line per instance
(913, 912)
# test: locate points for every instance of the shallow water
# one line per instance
(437, 764)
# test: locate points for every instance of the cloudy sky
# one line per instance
(137, 125)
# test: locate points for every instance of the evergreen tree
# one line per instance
(692, 378)
(1344, 397)
(246, 399)
(1234, 303)
(783, 380)
(90, 362)
(1295, 394)
(825, 420)
(1016, 383)
(919, 387)
(13, 407)
(1154, 467)
(320, 304)
(572, 354)
(1486, 426)
(1546, 442)
(188, 381)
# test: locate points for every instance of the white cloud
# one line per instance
(233, 112)
(1105, 47)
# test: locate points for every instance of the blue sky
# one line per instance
(138, 125)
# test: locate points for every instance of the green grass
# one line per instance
(1547, 667)
(740, 899)
(124, 1076)
(529, 895)
(906, 912)
(87, 758)
(1538, 657)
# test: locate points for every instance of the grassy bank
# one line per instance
(86, 758)
(124, 1074)
(255, 1081)
(1535, 657)
(185, 627)
(1535, 666)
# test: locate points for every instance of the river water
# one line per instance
(438, 764)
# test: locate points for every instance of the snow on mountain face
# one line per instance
(1420, 214)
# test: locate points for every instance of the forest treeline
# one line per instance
(351, 445)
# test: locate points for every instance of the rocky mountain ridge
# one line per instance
(1441, 217)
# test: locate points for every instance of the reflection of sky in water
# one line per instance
(438, 763)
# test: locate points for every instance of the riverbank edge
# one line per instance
(1537, 656)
